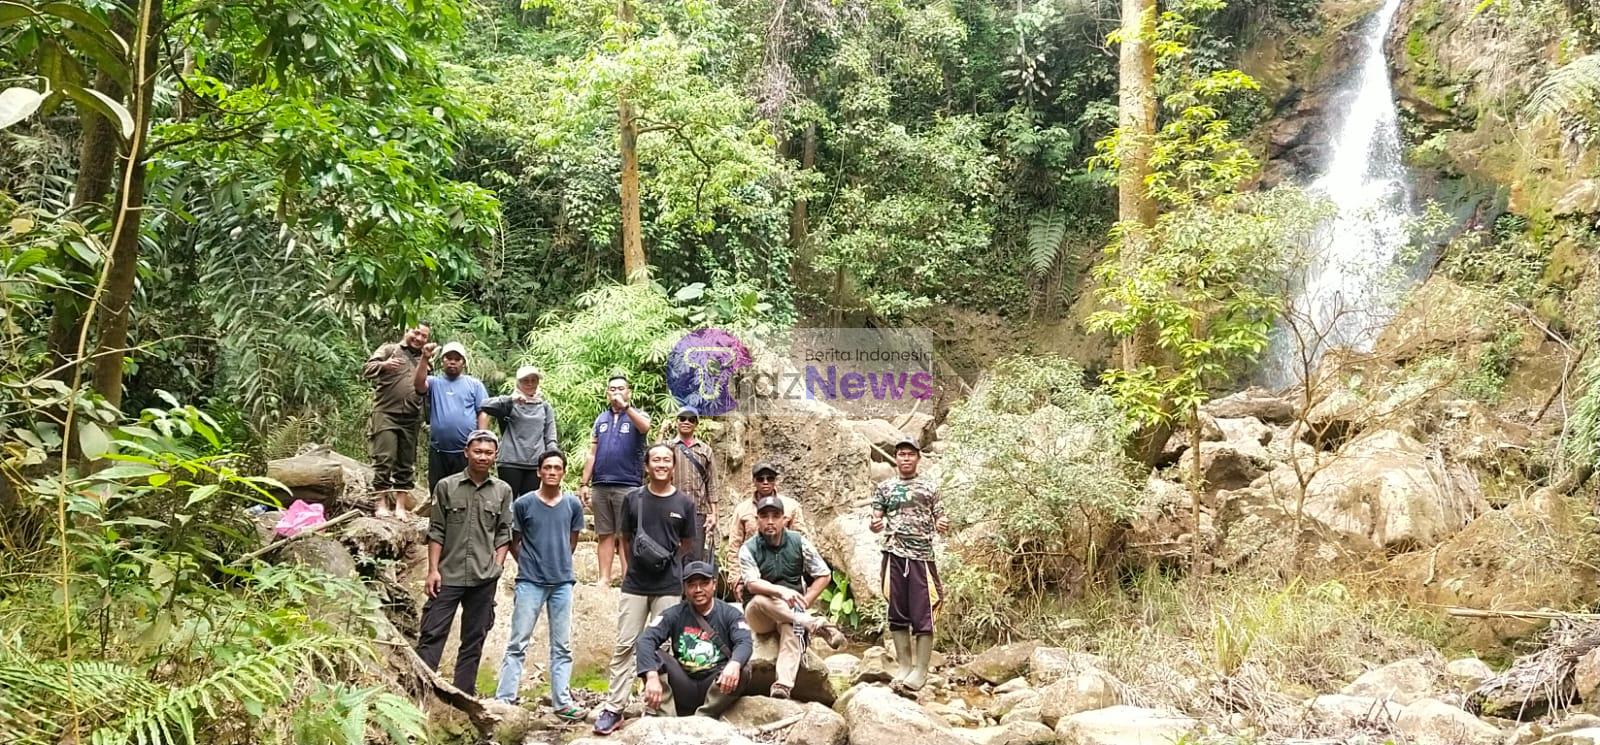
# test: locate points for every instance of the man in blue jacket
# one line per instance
(453, 402)
(709, 645)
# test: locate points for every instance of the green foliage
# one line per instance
(1211, 283)
(1036, 472)
(838, 603)
(618, 329)
(1582, 445)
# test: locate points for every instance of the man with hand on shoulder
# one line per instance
(709, 644)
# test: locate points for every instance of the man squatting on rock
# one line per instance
(709, 645)
(906, 509)
(469, 534)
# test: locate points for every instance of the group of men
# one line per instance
(655, 511)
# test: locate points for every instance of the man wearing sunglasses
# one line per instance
(694, 472)
(745, 525)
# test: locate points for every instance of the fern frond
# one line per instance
(1046, 231)
(1573, 88)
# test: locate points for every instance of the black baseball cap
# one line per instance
(907, 442)
(698, 569)
(765, 465)
(769, 503)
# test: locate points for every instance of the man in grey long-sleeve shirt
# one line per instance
(527, 430)
(710, 646)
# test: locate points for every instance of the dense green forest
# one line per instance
(211, 212)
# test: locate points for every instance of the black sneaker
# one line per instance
(607, 722)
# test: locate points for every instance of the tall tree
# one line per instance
(635, 265)
(1136, 129)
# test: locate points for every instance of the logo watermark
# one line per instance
(861, 372)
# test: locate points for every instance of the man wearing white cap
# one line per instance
(453, 402)
(527, 430)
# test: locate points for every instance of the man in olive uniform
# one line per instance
(396, 416)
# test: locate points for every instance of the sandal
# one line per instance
(572, 713)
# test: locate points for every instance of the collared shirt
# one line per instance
(810, 562)
(696, 482)
(744, 522)
(619, 455)
(453, 410)
(394, 393)
(470, 521)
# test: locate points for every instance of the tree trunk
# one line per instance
(1136, 123)
(112, 319)
(97, 159)
(799, 220)
(634, 265)
(313, 477)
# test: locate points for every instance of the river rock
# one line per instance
(1433, 722)
(955, 713)
(876, 666)
(999, 664)
(1256, 403)
(1015, 684)
(1468, 672)
(842, 665)
(1024, 703)
(876, 715)
(1402, 682)
(818, 724)
(1083, 691)
(1340, 712)
(1013, 733)
(1047, 665)
(1124, 725)
(811, 683)
(1224, 465)
(672, 731)
(1584, 729)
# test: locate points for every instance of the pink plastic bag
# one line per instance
(299, 517)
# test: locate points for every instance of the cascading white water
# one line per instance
(1348, 295)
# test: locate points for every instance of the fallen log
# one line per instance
(312, 477)
(1540, 682)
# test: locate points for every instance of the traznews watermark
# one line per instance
(860, 372)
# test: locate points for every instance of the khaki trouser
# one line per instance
(770, 615)
(633, 612)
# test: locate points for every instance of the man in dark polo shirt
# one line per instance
(784, 575)
(615, 467)
(396, 416)
(469, 534)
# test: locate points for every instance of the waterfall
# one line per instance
(1348, 292)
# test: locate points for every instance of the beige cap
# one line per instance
(527, 371)
(456, 347)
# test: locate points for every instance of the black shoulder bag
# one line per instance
(652, 555)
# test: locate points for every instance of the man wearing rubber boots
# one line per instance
(906, 509)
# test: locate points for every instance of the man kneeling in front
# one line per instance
(709, 646)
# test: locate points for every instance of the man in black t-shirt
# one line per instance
(657, 532)
(708, 644)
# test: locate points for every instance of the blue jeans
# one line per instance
(524, 616)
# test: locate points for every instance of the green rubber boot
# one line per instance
(919, 674)
(902, 654)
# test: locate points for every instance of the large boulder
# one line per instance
(1403, 682)
(811, 683)
(997, 665)
(1255, 403)
(850, 546)
(1086, 690)
(1047, 665)
(1388, 488)
(1493, 563)
(1124, 725)
(816, 723)
(1225, 465)
(1433, 722)
(1338, 712)
(877, 716)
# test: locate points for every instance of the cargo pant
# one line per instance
(767, 616)
(393, 440)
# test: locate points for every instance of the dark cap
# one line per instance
(906, 442)
(689, 411)
(765, 465)
(773, 502)
(698, 569)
